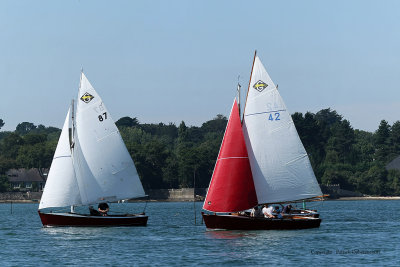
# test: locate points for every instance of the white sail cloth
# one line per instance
(61, 186)
(279, 163)
(104, 169)
(99, 167)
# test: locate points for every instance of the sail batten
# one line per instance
(234, 158)
(280, 166)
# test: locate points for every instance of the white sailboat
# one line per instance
(91, 165)
(280, 168)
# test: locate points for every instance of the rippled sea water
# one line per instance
(351, 233)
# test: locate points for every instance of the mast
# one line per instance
(194, 195)
(248, 88)
(73, 127)
(72, 137)
(238, 92)
(73, 124)
(73, 114)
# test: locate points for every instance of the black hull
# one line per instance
(237, 222)
(73, 219)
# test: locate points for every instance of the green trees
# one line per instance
(352, 158)
(167, 156)
(29, 146)
(29, 151)
(127, 122)
(24, 128)
(170, 156)
(4, 184)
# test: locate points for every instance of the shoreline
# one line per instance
(129, 201)
(191, 200)
(19, 201)
(368, 198)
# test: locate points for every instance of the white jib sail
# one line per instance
(279, 163)
(104, 169)
(61, 186)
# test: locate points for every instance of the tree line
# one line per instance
(171, 156)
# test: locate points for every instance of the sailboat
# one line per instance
(261, 162)
(91, 165)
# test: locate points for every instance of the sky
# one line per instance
(172, 61)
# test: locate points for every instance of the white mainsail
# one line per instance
(61, 186)
(279, 163)
(104, 169)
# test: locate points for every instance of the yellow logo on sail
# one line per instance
(260, 86)
(87, 98)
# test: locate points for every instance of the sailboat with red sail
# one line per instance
(261, 161)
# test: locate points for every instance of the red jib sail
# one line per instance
(232, 187)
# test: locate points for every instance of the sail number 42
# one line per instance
(274, 117)
(103, 116)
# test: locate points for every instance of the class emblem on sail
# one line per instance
(87, 98)
(260, 86)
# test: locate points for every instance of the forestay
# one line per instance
(279, 163)
(104, 169)
(61, 186)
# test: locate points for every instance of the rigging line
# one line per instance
(219, 151)
(248, 88)
(238, 93)
(145, 205)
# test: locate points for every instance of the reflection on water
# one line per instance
(268, 235)
(222, 234)
(73, 232)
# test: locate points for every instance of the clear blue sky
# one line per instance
(168, 61)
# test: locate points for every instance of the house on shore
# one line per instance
(27, 179)
(394, 164)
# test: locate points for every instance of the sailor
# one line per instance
(256, 212)
(287, 209)
(267, 211)
(103, 208)
(278, 212)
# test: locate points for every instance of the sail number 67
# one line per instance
(274, 117)
(103, 116)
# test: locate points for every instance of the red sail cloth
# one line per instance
(232, 187)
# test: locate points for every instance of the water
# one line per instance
(352, 233)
